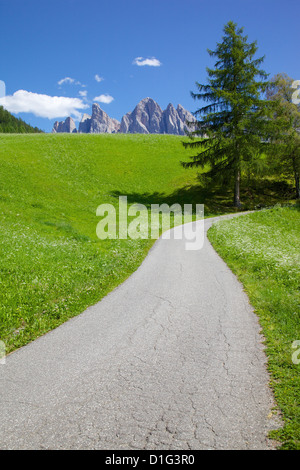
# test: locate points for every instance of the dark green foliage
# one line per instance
(9, 124)
(233, 127)
(284, 156)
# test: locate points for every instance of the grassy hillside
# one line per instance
(263, 250)
(52, 264)
(11, 125)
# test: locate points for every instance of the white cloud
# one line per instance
(152, 62)
(70, 80)
(83, 93)
(104, 99)
(45, 106)
(66, 80)
(98, 78)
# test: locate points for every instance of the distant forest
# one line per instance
(11, 125)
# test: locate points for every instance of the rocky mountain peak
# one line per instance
(146, 118)
(85, 124)
(65, 126)
(99, 122)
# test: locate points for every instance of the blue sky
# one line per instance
(136, 48)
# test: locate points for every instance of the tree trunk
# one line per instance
(296, 175)
(297, 185)
(237, 201)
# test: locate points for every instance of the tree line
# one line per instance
(12, 125)
(246, 120)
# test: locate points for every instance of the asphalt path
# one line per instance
(171, 359)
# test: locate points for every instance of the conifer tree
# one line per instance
(285, 154)
(234, 126)
(11, 124)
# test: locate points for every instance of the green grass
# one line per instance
(52, 264)
(262, 249)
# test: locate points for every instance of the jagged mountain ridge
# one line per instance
(146, 118)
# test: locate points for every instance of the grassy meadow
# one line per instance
(53, 266)
(263, 250)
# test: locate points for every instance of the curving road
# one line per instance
(171, 359)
